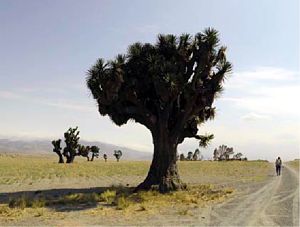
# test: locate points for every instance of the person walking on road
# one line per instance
(278, 164)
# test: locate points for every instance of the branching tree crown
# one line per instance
(179, 76)
(71, 140)
(95, 152)
(223, 152)
(118, 154)
(169, 87)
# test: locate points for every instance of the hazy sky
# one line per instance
(46, 47)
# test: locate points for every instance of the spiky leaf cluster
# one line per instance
(71, 140)
(176, 79)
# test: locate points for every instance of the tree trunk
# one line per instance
(163, 170)
(70, 158)
(61, 159)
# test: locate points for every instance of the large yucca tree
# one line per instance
(169, 87)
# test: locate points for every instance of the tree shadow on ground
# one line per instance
(64, 199)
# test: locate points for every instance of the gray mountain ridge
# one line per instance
(44, 146)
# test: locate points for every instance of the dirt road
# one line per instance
(274, 204)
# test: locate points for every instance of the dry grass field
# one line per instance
(36, 190)
(18, 169)
(294, 164)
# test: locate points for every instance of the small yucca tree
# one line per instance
(196, 155)
(118, 154)
(105, 157)
(71, 140)
(57, 149)
(95, 152)
(189, 156)
(238, 156)
(84, 151)
(181, 157)
(223, 153)
(169, 87)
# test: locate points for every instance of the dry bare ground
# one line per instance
(273, 204)
(259, 198)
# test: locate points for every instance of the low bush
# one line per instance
(20, 203)
(108, 196)
(122, 203)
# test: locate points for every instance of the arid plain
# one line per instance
(36, 190)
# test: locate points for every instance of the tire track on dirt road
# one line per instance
(274, 204)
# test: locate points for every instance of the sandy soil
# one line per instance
(272, 202)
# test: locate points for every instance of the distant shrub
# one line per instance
(118, 154)
(181, 157)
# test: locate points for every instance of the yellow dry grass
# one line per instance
(295, 164)
(116, 203)
(18, 169)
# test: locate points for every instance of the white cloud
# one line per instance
(266, 91)
(254, 117)
(273, 101)
(266, 102)
(265, 75)
(270, 73)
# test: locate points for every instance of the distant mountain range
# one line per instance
(45, 147)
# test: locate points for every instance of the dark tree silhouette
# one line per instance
(196, 155)
(73, 148)
(182, 158)
(95, 152)
(189, 156)
(168, 87)
(105, 157)
(84, 151)
(71, 140)
(118, 154)
(222, 153)
(57, 149)
(238, 156)
(205, 140)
